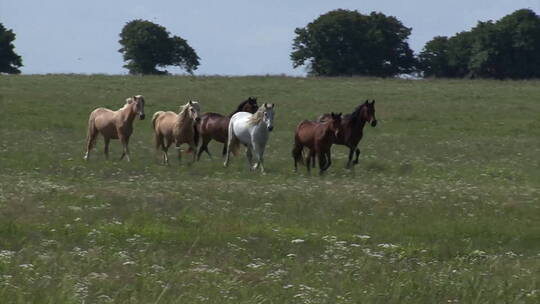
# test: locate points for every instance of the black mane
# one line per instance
(355, 115)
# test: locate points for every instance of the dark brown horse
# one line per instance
(216, 126)
(318, 137)
(353, 126)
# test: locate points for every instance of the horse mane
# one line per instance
(354, 116)
(240, 106)
(257, 117)
(183, 115)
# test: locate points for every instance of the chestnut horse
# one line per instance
(353, 126)
(170, 127)
(318, 137)
(215, 126)
(114, 125)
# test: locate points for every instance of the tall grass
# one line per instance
(443, 206)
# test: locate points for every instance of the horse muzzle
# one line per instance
(141, 117)
(270, 128)
(374, 123)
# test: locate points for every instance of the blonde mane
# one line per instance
(183, 115)
(130, 101)
(257, 117)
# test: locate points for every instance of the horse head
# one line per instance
(369, 113)
(268, 115)
(194, 110)
(137, 105)
(251, 105)
(335, 123)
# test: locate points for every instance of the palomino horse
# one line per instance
(251, 130)
(353, 126)
(114, 125)
(216, 126)
(318, 137)
(170, 127)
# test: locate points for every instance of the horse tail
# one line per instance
(158, 138)
(298, 152)
(154, 118)
(90, 135)
(233, 144)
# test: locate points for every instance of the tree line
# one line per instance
(348, 43)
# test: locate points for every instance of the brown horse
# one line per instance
(353, 126)
(170, 127)
(318, 137)
(114, 125)
(216, 126)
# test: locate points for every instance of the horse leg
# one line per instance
(193, 147)
(249, 156)
(357, 155)
(328, 159)
(106, 149)
(296, 154)
(177, 147)
(322, 162)
(125, 143)
(165, 146)
(351, 151)
(222, 152)
(259, 153)
(204, 147)
(310, 160)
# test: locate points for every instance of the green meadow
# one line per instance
(443, 207)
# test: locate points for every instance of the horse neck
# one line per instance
(358, 121)
(127, 113)
(184, 119)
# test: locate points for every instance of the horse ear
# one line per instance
(373, 101)
(191, 102)
(129, 100)
(367, 101)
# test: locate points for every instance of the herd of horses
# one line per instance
(248, 125)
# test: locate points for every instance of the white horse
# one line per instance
(251, 130)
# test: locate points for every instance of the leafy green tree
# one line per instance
(459, 54)
(146, 46)
(344, 42)
(9, 60)
(508, 48)
(433, 59)
(446, 57)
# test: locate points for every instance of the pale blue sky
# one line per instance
(232, 37)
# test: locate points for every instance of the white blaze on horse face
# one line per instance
(269, 118)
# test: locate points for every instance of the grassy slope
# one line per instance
(444, 205)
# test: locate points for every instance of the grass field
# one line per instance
(443, 207)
